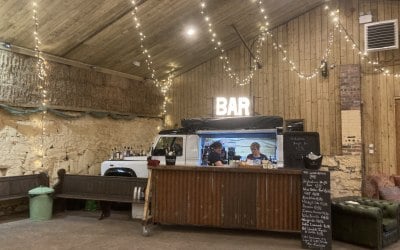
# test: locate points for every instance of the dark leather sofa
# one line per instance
(363, 221)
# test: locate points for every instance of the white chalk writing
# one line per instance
(315, 212)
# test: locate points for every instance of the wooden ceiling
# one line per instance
(102, 33)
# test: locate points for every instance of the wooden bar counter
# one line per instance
(224, 197)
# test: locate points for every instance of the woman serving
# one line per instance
(255, 155)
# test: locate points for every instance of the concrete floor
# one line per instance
(81, 230)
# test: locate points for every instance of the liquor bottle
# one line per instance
(112, 154)
(121, 153)
(134, 150)
(116, 154)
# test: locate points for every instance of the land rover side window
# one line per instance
(168, 144)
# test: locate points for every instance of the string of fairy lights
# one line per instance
(364, 56)
(41, 71)
(264, 32)
(163, 85)
(314, 72)
(337, 26)
(217, 43)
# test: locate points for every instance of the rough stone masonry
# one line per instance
(78, 145)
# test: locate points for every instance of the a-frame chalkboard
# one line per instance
(296, 145)
(316, 229)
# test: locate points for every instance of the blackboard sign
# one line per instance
(316, 230)
(296, 145)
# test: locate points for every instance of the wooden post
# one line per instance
(147, 200)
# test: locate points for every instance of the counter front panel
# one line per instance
(227, 197)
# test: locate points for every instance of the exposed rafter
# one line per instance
(105, 26)
(57, 59)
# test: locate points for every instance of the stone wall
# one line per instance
(346, 174)
(78, 145)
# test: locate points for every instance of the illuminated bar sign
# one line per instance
(232, 106)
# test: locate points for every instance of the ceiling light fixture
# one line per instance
(136, 63)
(7, 45)
(190, 31)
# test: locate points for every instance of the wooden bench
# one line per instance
(100, 188)
(16, 187)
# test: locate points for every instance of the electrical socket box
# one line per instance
(365, 18)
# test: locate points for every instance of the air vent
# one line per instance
(381, 36)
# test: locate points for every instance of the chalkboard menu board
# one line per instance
(316, 210)
(296, 145)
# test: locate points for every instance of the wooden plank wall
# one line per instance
(378, 93)
(279, 91)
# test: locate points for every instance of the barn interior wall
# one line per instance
(276, 89)
(77, 144)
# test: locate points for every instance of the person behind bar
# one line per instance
(214, 158)
(255, 155)
(178, 146)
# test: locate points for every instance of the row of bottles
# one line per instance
(122, 152)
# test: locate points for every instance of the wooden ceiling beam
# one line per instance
(246, 45)
(57, 59)
(105, 26)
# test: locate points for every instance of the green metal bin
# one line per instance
(41, 203)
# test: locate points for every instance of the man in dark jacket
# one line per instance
(214, 158)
